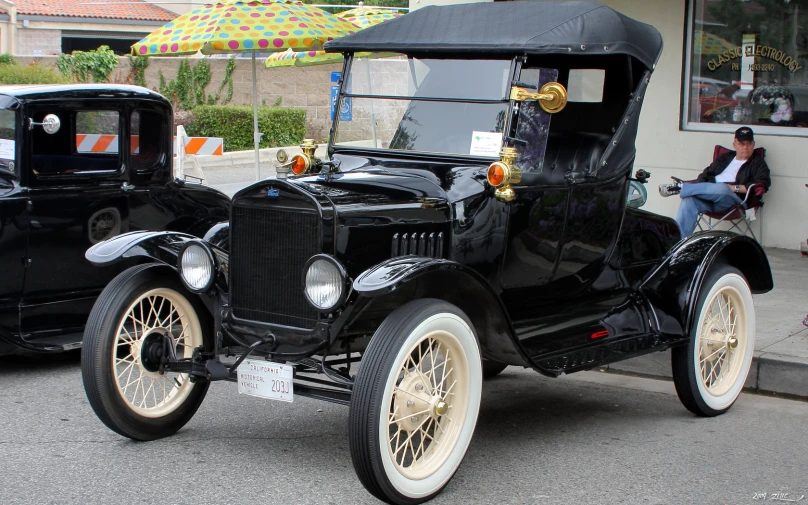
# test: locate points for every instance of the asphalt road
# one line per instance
(590, 438)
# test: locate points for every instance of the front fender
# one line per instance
(673, 288)
(400, 280)
(163, 246)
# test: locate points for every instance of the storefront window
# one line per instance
(747, 64)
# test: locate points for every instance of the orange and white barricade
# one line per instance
(188, 148)
(96, 143)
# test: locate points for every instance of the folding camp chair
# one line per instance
(739, 216)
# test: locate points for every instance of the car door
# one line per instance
(12, 228)
(573, 220)
(537, 215)
(75, 179)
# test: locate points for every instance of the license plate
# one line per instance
(265, 379)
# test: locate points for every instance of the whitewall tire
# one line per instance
(415, 402)
(710, 371)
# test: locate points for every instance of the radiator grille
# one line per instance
(268, 251)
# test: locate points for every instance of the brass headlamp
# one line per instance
(501, 174)
(302, 163)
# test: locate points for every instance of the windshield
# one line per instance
(439, 106)
(7, 140)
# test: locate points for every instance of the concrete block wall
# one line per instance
(38, 42)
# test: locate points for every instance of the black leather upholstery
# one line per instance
(570, 156)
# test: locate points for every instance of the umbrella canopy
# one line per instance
(361, 17)
(233, 26)
(241, 25)
(709, 45)
(291, 58)
(364, 17)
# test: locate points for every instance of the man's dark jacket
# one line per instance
(755, 170)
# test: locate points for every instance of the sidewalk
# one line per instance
(780, 362)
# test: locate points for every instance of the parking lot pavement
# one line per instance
(583, 439)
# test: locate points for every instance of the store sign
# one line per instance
(751, 51)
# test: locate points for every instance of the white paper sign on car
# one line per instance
(485, 143)
(7, 149)
(265, 380)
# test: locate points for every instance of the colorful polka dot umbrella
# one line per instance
(232, 26)
(362, 17)
(240, 25)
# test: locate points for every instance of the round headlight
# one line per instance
(325, 283)
(196, 267)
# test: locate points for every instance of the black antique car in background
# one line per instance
(79, 165)
(472, 215)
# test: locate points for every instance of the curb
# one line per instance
(770, 372)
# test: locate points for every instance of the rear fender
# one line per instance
(399, 280)
(673, 288)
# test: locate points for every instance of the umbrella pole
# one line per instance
(372, 113)
(256, 134)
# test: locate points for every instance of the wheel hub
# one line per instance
(413, 403)
(440, 407)
(152, 348)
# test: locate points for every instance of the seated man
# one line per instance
(718, 186)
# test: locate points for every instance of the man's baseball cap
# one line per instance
(744, 133)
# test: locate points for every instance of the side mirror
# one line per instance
(51, 124)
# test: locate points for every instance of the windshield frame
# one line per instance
(334, 147)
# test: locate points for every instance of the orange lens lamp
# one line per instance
(501, 174)
(302, 163)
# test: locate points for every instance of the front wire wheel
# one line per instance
(142, 317)
(709, 373)
(140, 343)
(415, 402)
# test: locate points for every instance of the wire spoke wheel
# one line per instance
(710, 371)
(143, 322)
(722, 341)
(156, 326)
(428, 405)
(415, 402)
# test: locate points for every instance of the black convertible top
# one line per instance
(510, 28)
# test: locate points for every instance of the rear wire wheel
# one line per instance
(415, 402)
(710, 371)
(143, 316)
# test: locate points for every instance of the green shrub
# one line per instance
(97, 64)
(280, 126)
(31, 74)
(7, 59)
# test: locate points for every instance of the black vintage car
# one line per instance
(79, 165)
(472, 215)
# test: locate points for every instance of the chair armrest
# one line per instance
(754, 190)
